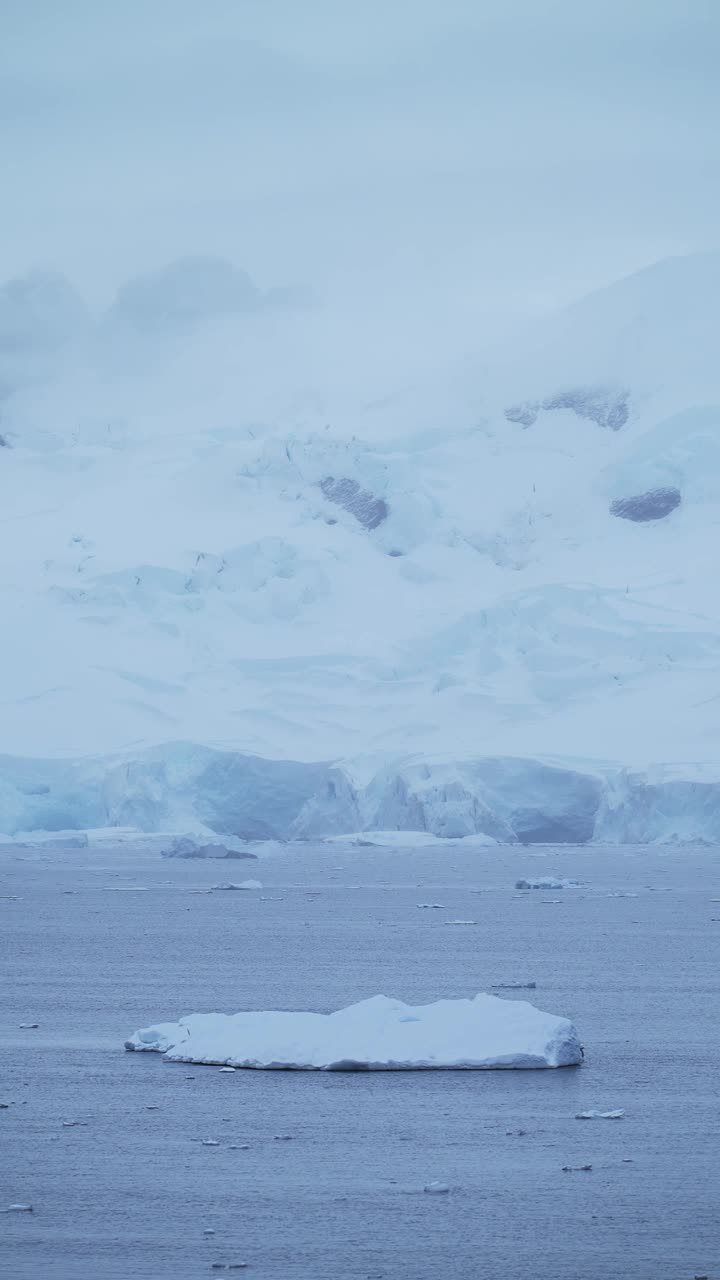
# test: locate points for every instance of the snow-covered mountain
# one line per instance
(223, 532)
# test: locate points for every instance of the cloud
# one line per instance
(473, 157)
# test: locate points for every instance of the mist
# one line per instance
(431, 171)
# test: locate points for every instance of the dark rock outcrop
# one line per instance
(605, 407)
(368, 510)
(525, 413)
(641, 507)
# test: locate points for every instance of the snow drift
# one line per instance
(375, 1035)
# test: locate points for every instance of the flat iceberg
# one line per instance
(546, 882)
(241, 884)
(378, 1034)
(600, 1115)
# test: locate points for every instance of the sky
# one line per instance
(465, 160)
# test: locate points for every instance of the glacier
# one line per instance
(252, 591)
(184, 788)
(378, 1034)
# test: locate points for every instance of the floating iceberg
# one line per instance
(378, 1034)
(241, 884)
(187, 847)
(546, 882)
(600, 1115)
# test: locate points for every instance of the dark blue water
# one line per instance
(130, 1191)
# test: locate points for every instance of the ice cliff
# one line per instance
(180, 787)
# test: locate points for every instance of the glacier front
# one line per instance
(378, 1034)
(250, 802)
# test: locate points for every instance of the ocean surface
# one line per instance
(322, 1175)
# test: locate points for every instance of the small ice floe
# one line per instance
(74, 1124)
(209, 1142)
(515, 1133)
(431, 906)
(226, 1070)
(19, 1208)
(546, 882)
(437, 1188)
(577, 1168)
(242, 884)
(4, 1106)
(264, 899)
(514, 986)
(209, 1231)
(460, 922)
(29, 1026)
(124, 888)
(239, 1146)
(600, 1115)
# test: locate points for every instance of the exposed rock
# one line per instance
(525, 413)
(605, 407)
(368, 510)
(653, 505)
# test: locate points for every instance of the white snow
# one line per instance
(378, 1034)
(546, 882)
(600, 1115)
(247, 591)
(242, 884)
(407, 840)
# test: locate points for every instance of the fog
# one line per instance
(442, 165)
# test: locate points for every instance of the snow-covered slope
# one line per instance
(220, 531)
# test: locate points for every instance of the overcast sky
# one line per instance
(471, 154)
